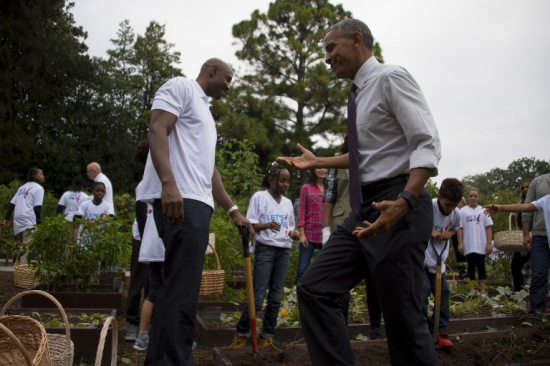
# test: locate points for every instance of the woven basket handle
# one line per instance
(17, 343)
(218, 265)
(114, 341)
(52, 299)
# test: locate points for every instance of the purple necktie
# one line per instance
(355, 195)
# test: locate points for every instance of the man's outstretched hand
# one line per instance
(304, 161)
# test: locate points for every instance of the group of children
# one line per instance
(74, 204)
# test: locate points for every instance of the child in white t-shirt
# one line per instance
(446, 223)
(26, 206)
(71, 200)
(272, 216)
(475, 237)
(94, 209)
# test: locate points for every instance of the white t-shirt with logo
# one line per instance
(27, 197)
(71, 201)
(263, 209)
(442, 224)
(473, 223)
(192, 142)
(90, 211)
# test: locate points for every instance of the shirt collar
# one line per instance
(364, 71)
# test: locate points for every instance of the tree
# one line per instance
(288, 94)
(507, 179)
(287, 74)
(45, 77)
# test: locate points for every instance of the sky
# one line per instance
(482, 65)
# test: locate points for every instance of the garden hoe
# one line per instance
(249, 290)
(437, 300)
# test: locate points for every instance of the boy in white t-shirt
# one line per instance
(446, 223)
(94, 209)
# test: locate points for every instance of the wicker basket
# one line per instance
(61, 347)
(23, 341)
(24, 275)
(114, 343)
(509, 241)
(212, 280)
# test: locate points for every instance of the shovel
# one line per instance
(249, 289)
(437, 301)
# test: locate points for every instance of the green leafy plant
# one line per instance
(62, 261)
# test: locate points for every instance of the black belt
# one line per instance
(369, 189)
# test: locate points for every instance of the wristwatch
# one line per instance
(409, 197)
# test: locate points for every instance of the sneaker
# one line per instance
(238, 341)
(375, 334)
(131, 332)
(141, 344)
(444, 341)
(265, 342)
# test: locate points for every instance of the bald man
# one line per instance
(182, 181)
(93, 171)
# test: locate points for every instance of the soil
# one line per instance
(487, 351)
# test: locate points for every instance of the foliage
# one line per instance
(288, 95)
(125, 206)
(238, 167)
(507, 179)
(62, 260)
(61, 109)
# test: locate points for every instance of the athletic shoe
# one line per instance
(131, 332)
(141, 344)
(444, 341)
(265, 342)
(239, 341)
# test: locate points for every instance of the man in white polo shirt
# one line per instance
(181, 178)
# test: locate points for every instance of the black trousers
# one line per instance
(518, 261)
(394, 261)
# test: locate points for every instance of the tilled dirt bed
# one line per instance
(514, 346)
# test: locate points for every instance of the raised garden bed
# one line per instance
(216, 334)
(478, 348)
(99, 297)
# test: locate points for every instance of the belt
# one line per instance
(368, 189)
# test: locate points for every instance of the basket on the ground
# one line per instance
(61, 347)
(23, 341)
(24, 275)
(212, 280)
(111, 320)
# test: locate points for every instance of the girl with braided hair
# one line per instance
(272, 216)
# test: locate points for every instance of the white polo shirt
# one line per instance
(192, 143)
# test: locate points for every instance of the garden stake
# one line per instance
(437, 301)
(249, 290)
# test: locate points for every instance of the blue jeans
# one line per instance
(429, 286)
(270, 269)
(540, 263)
(173, 327)
(304, 259)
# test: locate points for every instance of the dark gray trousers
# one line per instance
(394, 261)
